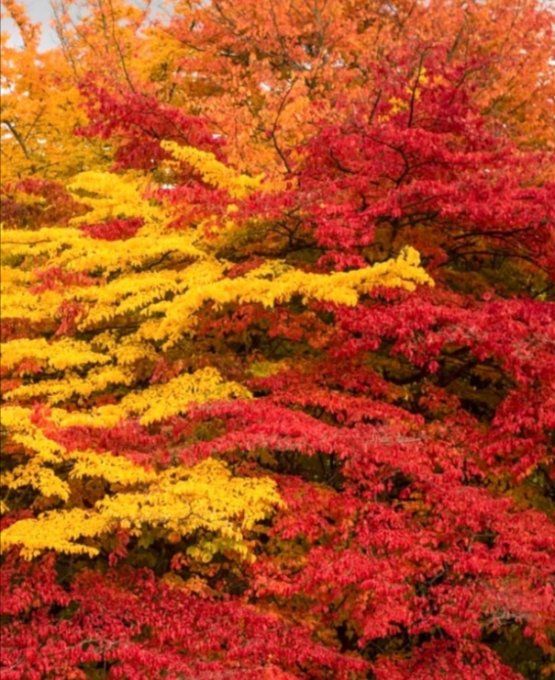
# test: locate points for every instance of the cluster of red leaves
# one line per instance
(132, 624)
(138, 123)
(114, 230)
(47, 203)
(419, 163)
(447, 334)
(410, 542)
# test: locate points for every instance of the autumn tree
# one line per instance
(278, 341)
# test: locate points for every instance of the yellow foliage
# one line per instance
(17, 421)
(261, 286)
(159, 402)
(55, 531)
(113, 469)
(151, 404)
(40, 104)
(112, 196)
(57, 356)
(57, 390)
(100, 416)
(204, 502)
(129, 285)
(71, 249)
(213, 172)
(39, 477)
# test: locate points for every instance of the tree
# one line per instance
(277, 345)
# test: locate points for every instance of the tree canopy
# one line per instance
(278, 341)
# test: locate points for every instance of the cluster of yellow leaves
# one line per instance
(72, 385)
(151, 405)
(38, 476)
(205, 504)
(58, 356)
(213, 172)
(71, 249)
(167, 301)
(109, 195)
(162, 401)
(278, 284)
(17, 421)
(151, 286)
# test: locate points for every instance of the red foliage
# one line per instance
(114, 230)
(51, 203)
(139, 123)
(134, 626)
(420, 163)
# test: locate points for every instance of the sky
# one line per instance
(41, 12)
